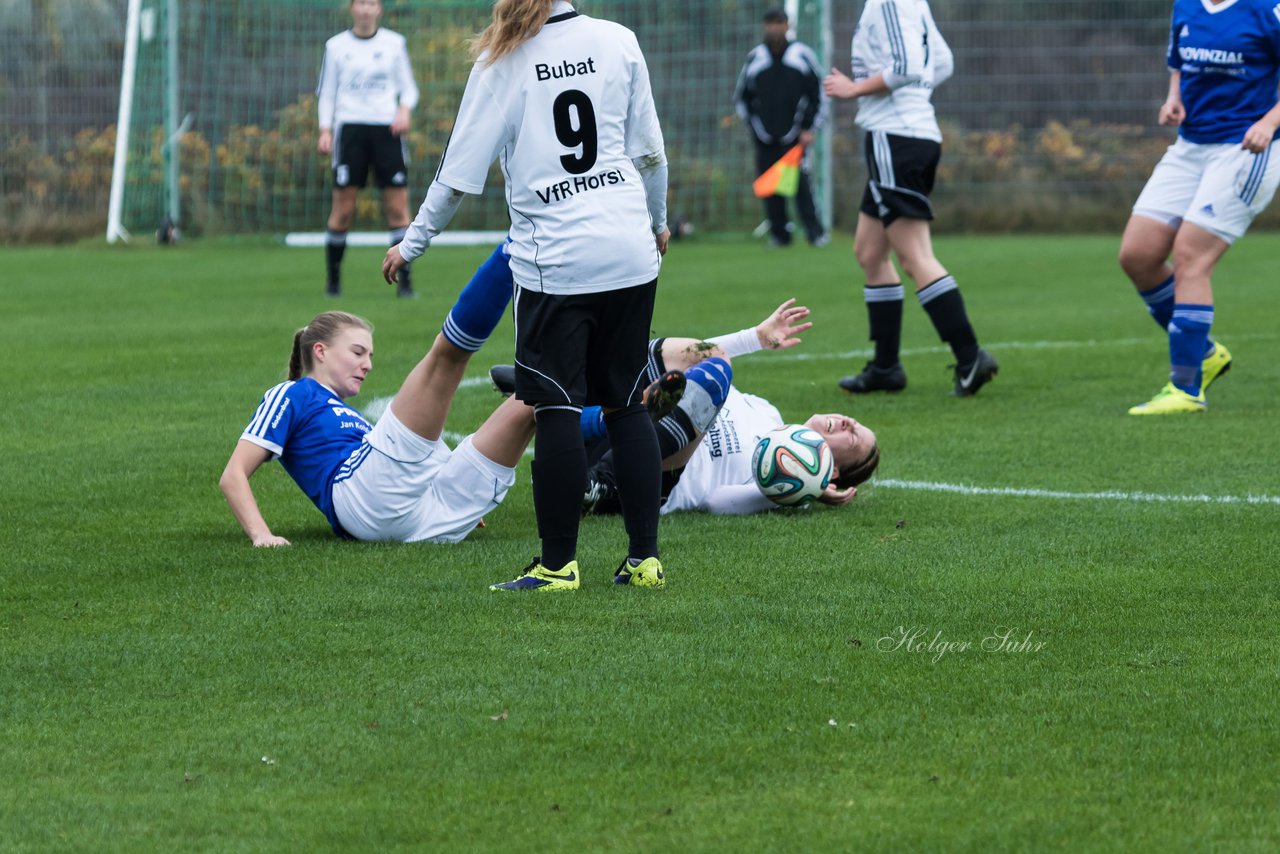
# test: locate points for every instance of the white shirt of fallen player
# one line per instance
(566, 113)
(363, 81)
(718, 477)
(899, 39)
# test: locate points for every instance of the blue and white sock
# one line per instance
(480, 306)
(710, 380)
(706, 387)
(1159, 302)
(1188, 339)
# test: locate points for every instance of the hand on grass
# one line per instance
(834, 497)
(269, 541)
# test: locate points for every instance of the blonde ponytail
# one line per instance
(323, 327)
(514, 23)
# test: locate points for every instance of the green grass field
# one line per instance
(164, 685)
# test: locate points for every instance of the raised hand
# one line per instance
(778, 331)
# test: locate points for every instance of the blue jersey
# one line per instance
(1229, 56)
(313, 432)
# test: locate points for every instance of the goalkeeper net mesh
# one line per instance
(1049, 120)
(247, 74)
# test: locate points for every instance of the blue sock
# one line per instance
(1188, 336)
(714, 375)
(1159, 302)
(706, 387)
(481, 304)
(592, 424)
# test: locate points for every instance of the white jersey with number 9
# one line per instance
(565, 113)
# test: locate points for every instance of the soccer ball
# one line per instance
(792, 464)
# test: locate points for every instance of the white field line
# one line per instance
(1108, 495)
(1000, 347)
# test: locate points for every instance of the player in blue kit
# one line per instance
(397, 480)
(1224, 59)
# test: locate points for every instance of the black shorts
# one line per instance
(583, 349)
(900, 175)
(360, 146)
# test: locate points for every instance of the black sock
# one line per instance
(559, 470)
(945, 307)
(638, 472)
(404, 279)
(675, 432)
(335, 246)
(884, 316)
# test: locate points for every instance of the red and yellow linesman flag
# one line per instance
(782, 178)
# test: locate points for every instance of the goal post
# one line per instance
(244, 73)
(128, 77)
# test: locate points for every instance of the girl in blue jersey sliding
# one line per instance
(1224, 59)
(397, 480)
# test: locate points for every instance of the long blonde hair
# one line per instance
(514, 23)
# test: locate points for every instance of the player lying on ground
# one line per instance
(398, 480)
(707, 442)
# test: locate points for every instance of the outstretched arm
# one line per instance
(435, 213)
(778, 331)
(234, 483)
(741, 499)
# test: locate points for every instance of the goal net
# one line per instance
(222, 114)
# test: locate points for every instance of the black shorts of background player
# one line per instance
(898, 58)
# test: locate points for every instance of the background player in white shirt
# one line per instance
(364, 99)
(1224, 63)
(899, 57)
(564, 101)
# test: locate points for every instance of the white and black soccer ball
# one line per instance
(792, 465)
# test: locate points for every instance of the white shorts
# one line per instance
(408, 489)
(1219, 187)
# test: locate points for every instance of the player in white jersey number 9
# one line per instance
(564, 102)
